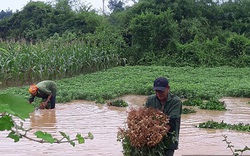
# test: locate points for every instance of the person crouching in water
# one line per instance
(47, 91)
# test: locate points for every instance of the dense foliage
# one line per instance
(57, 58)
(5, 14)
(150, 32)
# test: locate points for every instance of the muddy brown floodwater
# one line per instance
(103, 122)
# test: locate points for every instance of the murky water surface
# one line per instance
(103, 122)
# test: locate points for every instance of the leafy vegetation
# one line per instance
(118, 103)
(10, 106)
(222, 125)
(212, 104)
(23, 63)
(67, 38)
(186, 82)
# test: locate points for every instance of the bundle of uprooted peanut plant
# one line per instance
(144, 132)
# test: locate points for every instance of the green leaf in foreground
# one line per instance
(14, 136)
(65, 136)
(68, 138)
(80, 139)
(15, 105)
(90, 135)
(45, 136)
(6, 123)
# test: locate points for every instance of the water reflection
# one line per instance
(45, 119)
(103, 122)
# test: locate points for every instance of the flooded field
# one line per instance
(103, 122)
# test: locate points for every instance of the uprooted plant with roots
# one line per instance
(145, 132)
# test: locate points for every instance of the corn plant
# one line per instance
(22, 62)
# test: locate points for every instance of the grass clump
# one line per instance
(222, 125)
(118, 103)
(211, 104)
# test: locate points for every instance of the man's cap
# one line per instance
(160, 83)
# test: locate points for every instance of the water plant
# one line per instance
(222, 125)
(117, 103)
(211, 104)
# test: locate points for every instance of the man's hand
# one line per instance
(168, 127)
(43, 105)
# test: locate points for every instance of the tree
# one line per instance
(116, 5)
(153, 32)
(5, 14)
(27, 23)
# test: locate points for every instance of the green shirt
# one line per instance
(47, 87)
(172, 108)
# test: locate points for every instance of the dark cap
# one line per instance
(160, 83)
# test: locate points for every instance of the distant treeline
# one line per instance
(150, 32)
(5, 14)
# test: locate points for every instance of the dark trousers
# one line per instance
(169, 153)
(51, 102)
